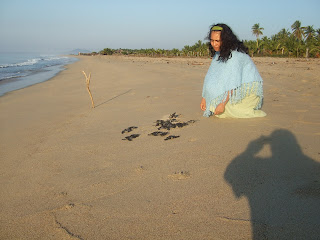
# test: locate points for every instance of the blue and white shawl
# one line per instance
(239, 75)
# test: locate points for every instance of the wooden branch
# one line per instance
(88, 88)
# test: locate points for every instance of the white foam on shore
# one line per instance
(17, 81)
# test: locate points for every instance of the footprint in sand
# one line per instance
(140, 169)
(181, 175)
(69, 206)
(193, 139)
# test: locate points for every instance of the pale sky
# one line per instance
(64, 25)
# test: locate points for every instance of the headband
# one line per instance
(216, 28)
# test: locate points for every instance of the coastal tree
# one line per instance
(310, 37)
(283, 37)
(298, 30)
(298, 33)
(257, 31)
(186, 50)
(309, 33)
(107, 51)
(317, 32)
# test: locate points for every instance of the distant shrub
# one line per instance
(107, 51)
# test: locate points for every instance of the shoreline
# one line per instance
(38, 76)
(68, 170)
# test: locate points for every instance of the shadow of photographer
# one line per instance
(283, 190)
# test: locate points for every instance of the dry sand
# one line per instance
(66, 173)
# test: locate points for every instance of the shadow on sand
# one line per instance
(113, 98)
(283, 190)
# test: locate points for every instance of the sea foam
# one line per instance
(22, 70)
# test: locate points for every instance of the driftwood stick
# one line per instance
(88, 87)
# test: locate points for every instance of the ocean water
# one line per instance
(20, 70)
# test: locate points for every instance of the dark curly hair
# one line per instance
(229, 42)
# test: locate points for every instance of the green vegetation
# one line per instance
(301, 42)
(107, 51)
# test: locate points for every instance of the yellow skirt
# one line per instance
(243, 109)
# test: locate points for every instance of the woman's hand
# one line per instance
(219, 109)
(203, 104)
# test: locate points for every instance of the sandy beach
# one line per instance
(68, 172)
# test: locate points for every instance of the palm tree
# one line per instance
(318, 33)
(309, 32)
(298, 33)
(257, 31)
(297, 30)
(310, 35)
(186, 50)
(283, 34)
(282, 38)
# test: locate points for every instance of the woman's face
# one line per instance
(215, 40)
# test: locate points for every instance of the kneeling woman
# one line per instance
(233, 86)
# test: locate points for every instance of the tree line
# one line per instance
(299, 42)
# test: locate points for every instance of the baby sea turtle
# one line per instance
(165, 124)
(174, 115)
(129, 129)
(171, 137)
(158, 133)
(129, 138)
